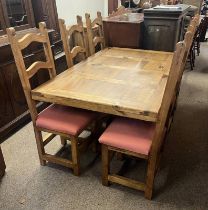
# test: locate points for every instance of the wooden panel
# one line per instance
(124, 30)
(158, 23)
(112, 5)
(122, 82)
(28, 12)
(45, 10)
(6, 111)
(2, 21)
(15, 90)
(14, 109)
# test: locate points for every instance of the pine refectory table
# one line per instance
(118, 81)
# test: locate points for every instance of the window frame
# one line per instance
(2, 21)
(5, 20)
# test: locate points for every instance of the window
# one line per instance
(16, 13)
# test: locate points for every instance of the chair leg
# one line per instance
(105, 165)
(75, 156)
(63, 140)
(194, 57)
(40, 146)
(198, 48)
(191, 61)
(96, 130)
(151, 170)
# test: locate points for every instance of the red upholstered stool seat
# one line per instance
(65, 119)
(129, 134)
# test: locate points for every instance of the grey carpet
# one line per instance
(182, 182)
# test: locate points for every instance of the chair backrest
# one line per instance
(195, 21)
(93, 41)
(67, 33)
(25, 74)
(189, 38)
(174, 74)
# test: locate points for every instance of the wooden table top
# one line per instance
(118, 81)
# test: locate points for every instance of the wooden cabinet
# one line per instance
(112, 6)
(18, 14)
(2, 164)
(13, 106)
(45, 10)
(124, 30)
(14, 88)
(6, 110)
(26, 15)
(163, 28)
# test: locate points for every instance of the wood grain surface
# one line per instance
(118, 81)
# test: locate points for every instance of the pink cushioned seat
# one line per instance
(65, 119)
(129, 134)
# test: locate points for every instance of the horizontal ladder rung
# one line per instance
(127, 182)
(48, 138)
(58, 160)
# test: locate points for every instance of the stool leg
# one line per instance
(75, 156)
(40, 146)
(105, 165)
(151, 171)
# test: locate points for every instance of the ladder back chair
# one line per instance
(188, 40)
(67, 33)
(67, 122)
(93, 41)
(139, 138)
(189, 36)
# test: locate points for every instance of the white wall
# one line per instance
(105, 8)
(69, 9)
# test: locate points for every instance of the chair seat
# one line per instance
(68, 120)
(129, 134)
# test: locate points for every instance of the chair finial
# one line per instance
(79, 20)
(42, 26)
(87, 15)
(11, 31)
(61, 21)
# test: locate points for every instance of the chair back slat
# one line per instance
(26, 40)
(188, 40)
(71, 29)
(96, 24)
(76, 50)
(25, 74)
(96, 21)
(33, 69)
(66, 33)
(98, 40)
